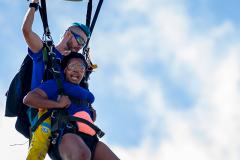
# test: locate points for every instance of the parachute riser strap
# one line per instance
(89, 13)
(88, 18)
(43, 14)
(96, 15)
(91, 26)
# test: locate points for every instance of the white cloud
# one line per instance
(9, 138)
(209, 129)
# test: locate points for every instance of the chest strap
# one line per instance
(80, 102)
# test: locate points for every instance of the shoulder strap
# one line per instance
(79, 101)
(56, 70)
(52, 65)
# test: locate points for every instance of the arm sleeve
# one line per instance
(50, 88)
(35, 56)
(78, 92)
(91, 97)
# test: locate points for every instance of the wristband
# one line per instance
(34, 5)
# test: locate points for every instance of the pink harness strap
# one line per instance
(82, 127)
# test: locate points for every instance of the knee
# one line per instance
(73, 148)
(83, 154)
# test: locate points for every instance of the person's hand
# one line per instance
(64, 102)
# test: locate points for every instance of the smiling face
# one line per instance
(77, 39)
(75, 70)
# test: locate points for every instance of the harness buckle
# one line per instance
(54, 138)
(100, 134)
(53, 115)
(69, 125)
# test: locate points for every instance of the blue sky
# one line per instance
(167, 83)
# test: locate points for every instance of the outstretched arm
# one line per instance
(38, 99)
(33, 40)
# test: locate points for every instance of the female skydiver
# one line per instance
(78, 141)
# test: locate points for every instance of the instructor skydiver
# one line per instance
(73, 40)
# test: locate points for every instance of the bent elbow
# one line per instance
(27, 100)
(25, 31)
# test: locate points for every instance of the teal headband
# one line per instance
(83, 27)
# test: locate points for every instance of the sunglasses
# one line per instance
(78, 38)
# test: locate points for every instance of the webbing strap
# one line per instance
(48, 57)
(41, 119)
(96, 15)
(53, 67)
(43, 14)
(91, 26)
(99, 132)
(45, 58)
(89, 13)
(60, 86)
(88, 17)
(56, 71)
(78, 101)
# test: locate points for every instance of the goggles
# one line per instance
(77, 66)
(78, 38)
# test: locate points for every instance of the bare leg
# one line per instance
(103, 152)
(72, 147)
